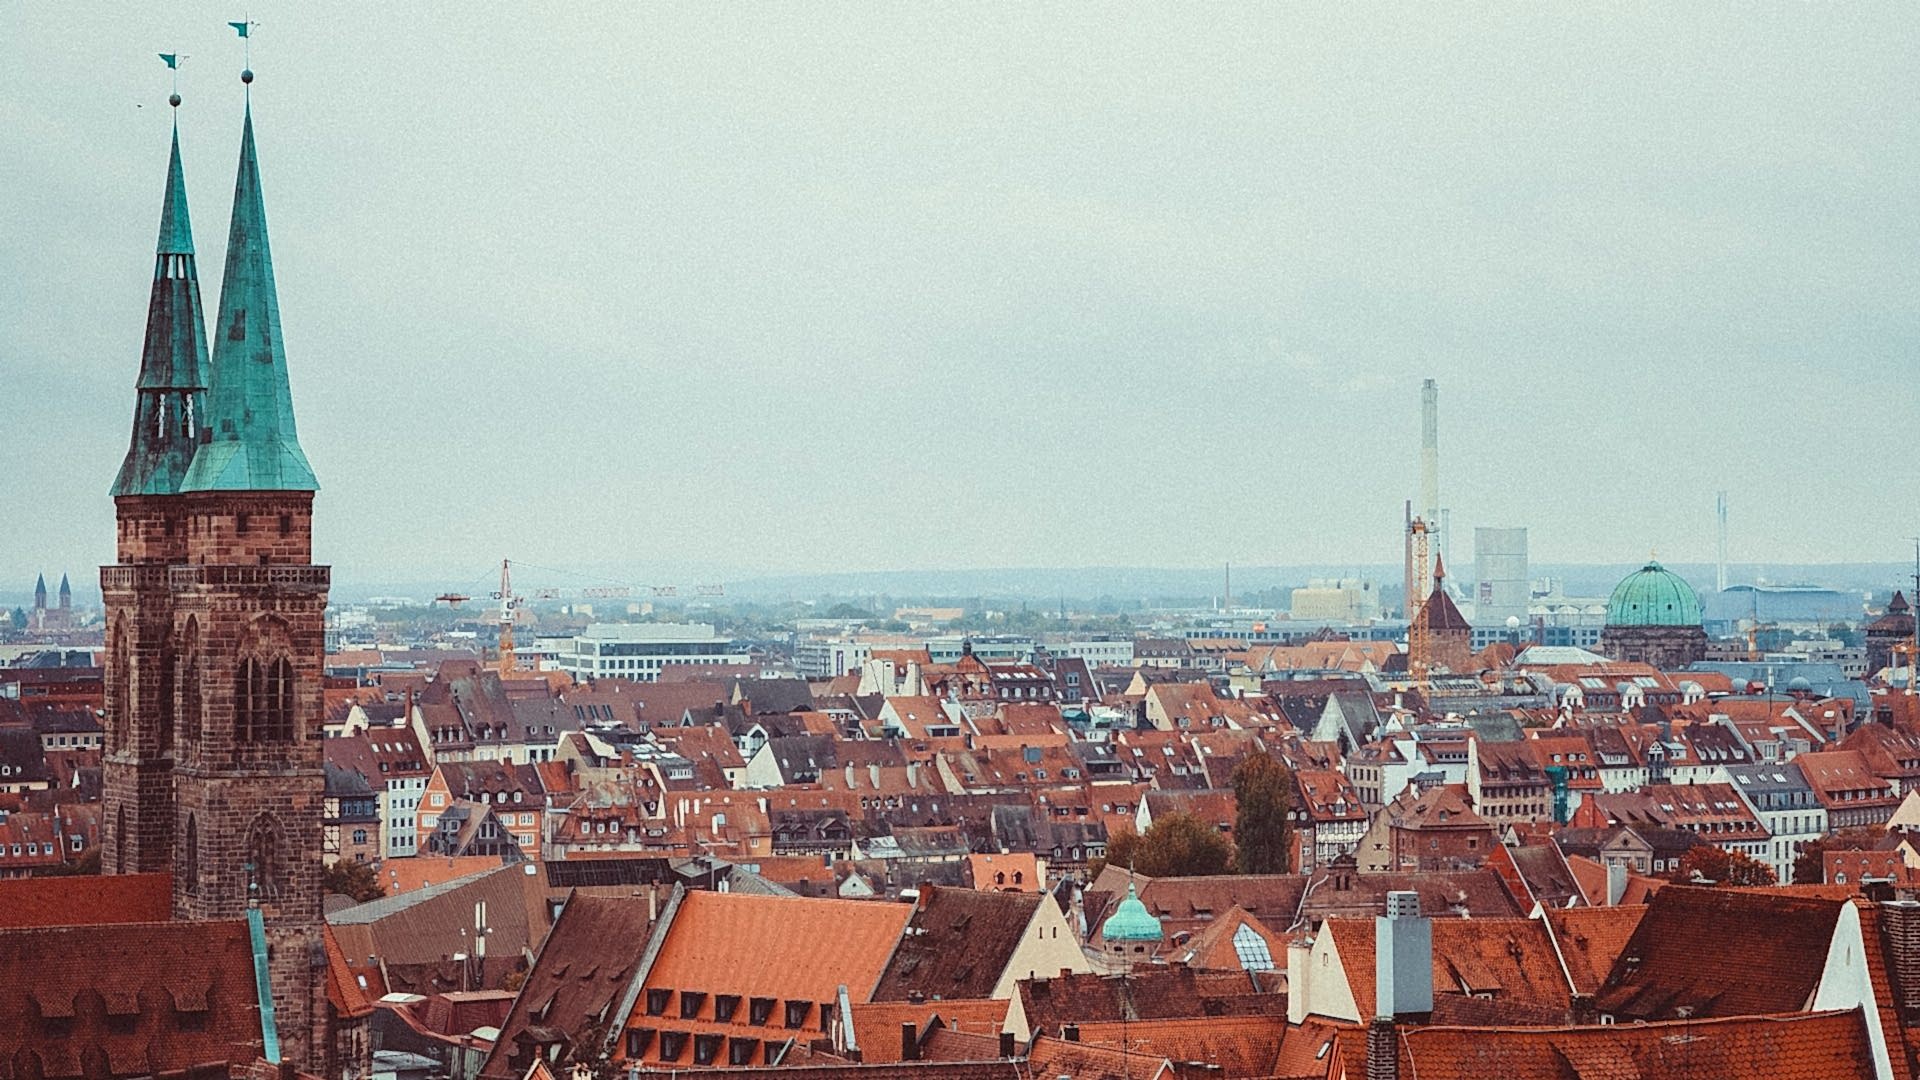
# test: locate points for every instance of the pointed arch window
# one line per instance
(187, 690)
(190, 858)
(264, 695)
(119, 688)
(265, 859)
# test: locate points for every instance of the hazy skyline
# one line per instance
(752, 291)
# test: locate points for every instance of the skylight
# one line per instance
(1252, 949)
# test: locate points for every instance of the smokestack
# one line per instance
(1430, 452)
(1720, 569)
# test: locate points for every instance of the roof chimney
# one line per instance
(1616, 883)
(1403, 959)
(1902, 921)
(909, 1041)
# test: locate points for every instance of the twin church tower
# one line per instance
(215, 637)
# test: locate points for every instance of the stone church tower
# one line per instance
(214, 613)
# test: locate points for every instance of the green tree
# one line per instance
(1723, 867)
(1810, 866)
(1262, 829)
(1176, 845)
(354, 879)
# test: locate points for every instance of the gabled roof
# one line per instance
(957, 944)
(1677, 962)
(1511, 959)
(583, 968)
(1590, 939)
(1228, 1047)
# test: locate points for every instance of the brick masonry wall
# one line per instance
(203, 581)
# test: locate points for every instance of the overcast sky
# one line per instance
(732, 289)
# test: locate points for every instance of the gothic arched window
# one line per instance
(190, 857)
(165, 699)
(119, 696)
(265, 858)
(188, 688)
(264, 697)
(120, 840)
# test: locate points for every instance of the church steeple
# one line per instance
(173, 364)
(251, 444)
(40, 592)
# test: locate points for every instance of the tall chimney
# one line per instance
(909, 1041)
(1616, 883)
(1902, 921)
(1430, 453)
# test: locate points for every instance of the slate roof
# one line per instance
(957, 944)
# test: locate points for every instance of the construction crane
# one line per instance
(452, 599)
(1419, 644)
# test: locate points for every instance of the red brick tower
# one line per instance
(216, 638)
(250, 602)
(144, 677)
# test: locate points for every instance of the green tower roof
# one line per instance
(1131, 921)
(1653, 596)
(171, 399)
(250, 444)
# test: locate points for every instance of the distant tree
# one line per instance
(847, 611)
(1723, 867)
(1176, 845)
(1810, 866)
(1262, 829)
(19, 618)
(354, 879)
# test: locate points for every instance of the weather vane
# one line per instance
(246, 40)
(173, 65)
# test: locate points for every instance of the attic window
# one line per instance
(706, 1048)
(690, 1002)
(638, 1039)
(740, 1051)
(797, 1012)
(672, 1044)
(657, 1002)
(759, 1009)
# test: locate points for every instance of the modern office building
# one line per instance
(639, 651)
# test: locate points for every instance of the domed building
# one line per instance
(1653, 617)
(1131, 929)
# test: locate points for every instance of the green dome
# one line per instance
(1131, 921)
(1653, 596)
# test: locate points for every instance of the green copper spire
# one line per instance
(250, 443)
(173, 365)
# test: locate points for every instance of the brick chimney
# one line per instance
(1901, 922)
(909, 1041)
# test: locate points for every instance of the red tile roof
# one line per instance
(153, 998)
(85, 900)
(1590, 940)
(1511, 959)
(1808, 1046)
(1664, 971)
(1222, 1046)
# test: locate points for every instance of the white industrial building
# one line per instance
(639, 651)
